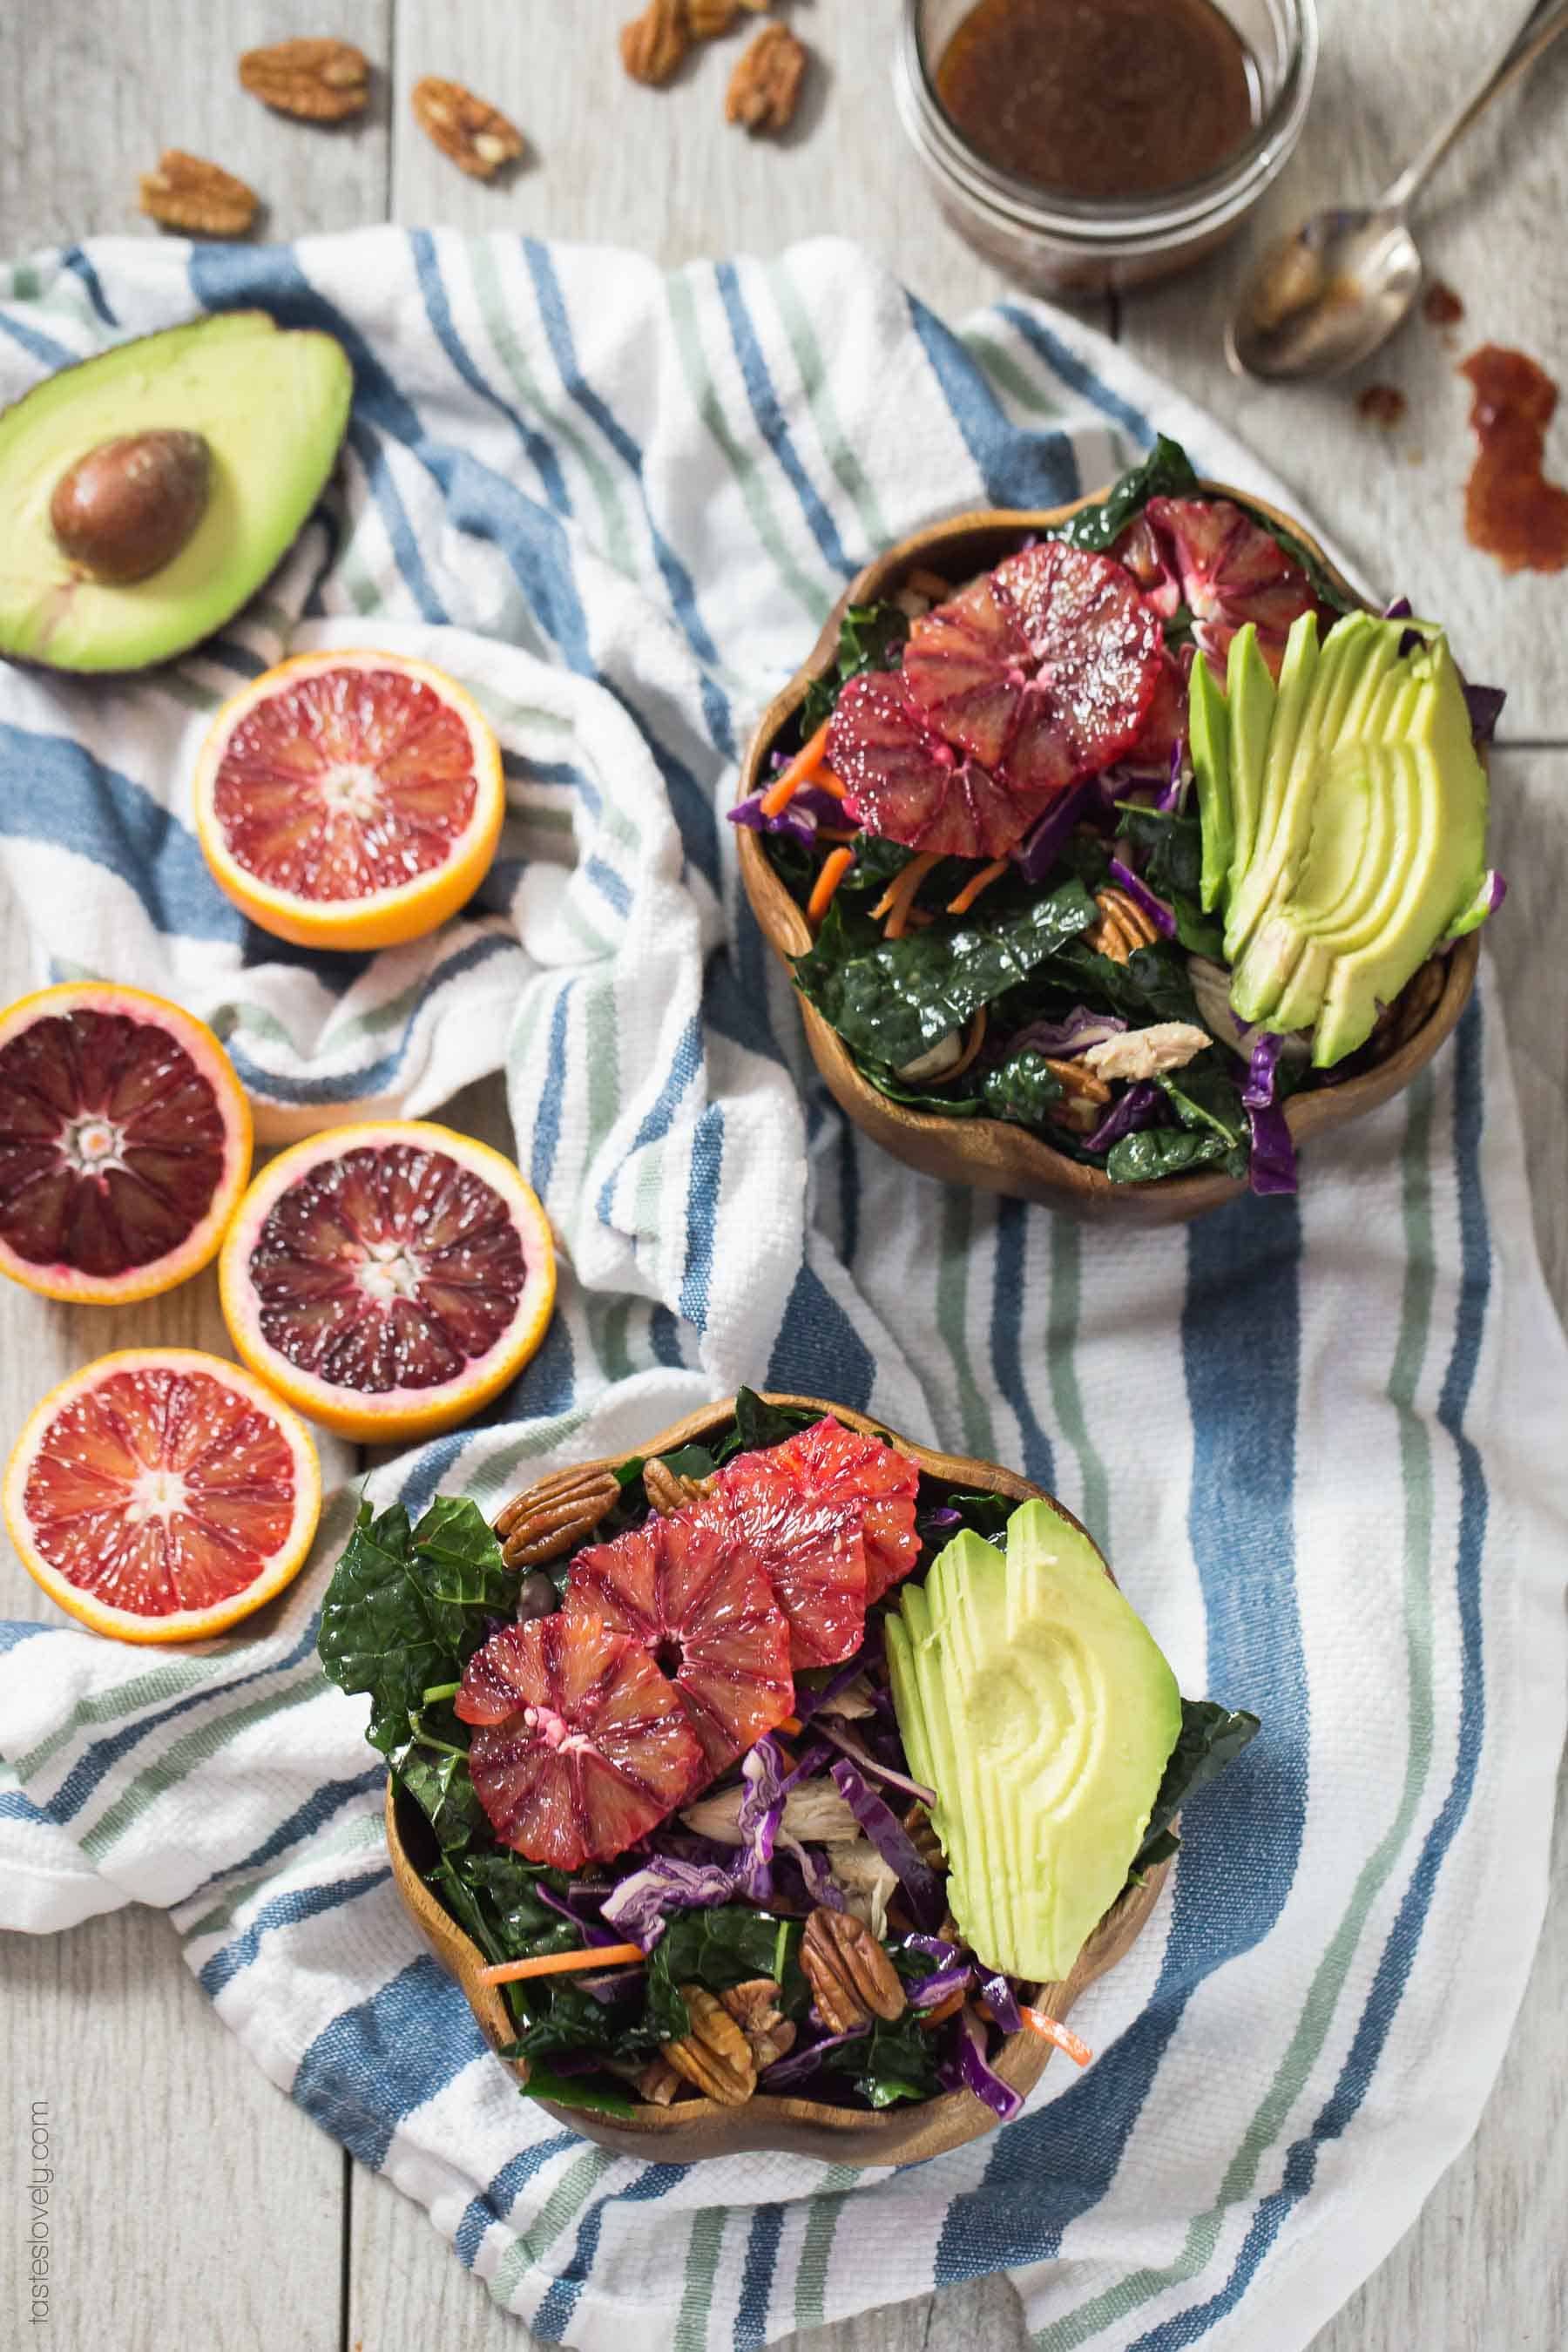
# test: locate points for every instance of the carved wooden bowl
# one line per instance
(693, 2128)
(995, 1154)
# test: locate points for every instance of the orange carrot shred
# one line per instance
(554, 1964)
(972, 1045)
(800, 771)
(944, 2010)
(835, 867)
(976, 884)
(790, 1723)
(1055, 2030)
(900, 895)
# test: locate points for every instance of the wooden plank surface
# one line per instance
(161, 2114)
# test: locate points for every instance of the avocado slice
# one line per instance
(271, 405)
(1250, 696)
(1208, 735)
(1297, 672)
(1037, 1704)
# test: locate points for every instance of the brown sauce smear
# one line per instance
(1440, 306)
(1099, 97)
(1380, 403)
(1512, 510)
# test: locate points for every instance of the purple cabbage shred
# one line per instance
(799, 818)
(1075, 1033)
(869, 1763)
(1001, 2002)
(1038, 851)
(892, 1842)
(966, 2069)
(639, 1903)
(1138, 890)
(1484, 704)
(1175, 783)
(930, 1992)
(801, 2064)
(1272, 1166)
(763, 1772)
(1400, 610)
(1141, 1105)
(589, 1929)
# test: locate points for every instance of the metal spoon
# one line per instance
(1328, 296)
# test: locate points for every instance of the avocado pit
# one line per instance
(128, 507)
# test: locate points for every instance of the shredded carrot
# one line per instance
(835, 867)
(791, 1723)
(899, 895)
(972, 1045)
(976, 884)
(800, 771)
(836, 833)
(1055, 2030)
(555, 1964)
(943, 2009)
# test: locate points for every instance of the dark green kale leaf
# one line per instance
(890, 2063)
(985, 1515)
(1152, 985)
(759, 1423)
(1211, 1737)
(1166, 473)
(1204, 1094)
(440, 1785)
(1021, 1089)
(593, 2093)
(1171, 848)
(893, 999)
(877, 862)
(888, 1082)
(716, 1948)
(1155, 1151)
(870, 636)
(406, 1608)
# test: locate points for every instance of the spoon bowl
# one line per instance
(1322, 301)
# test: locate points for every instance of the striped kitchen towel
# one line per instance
(1322, 1440)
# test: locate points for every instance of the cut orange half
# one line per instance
(124, 1143)
(388, 1279)
(350, 800)
(162, 1494)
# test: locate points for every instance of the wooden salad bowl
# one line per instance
(995, 1154)
(697, 2127)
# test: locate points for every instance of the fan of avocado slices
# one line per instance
(1172, 943)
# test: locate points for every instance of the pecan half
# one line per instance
(653, 44)
(668, 1489)
(924, 1836)
(188, 192)
(766, 81)
(1123, 925)
(848, 1971)
(755, 2010)
(707, 20)
(476, 135)
(550, 1519)
(715, 2057)
(314, 80)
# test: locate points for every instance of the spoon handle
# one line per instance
(1540, 28)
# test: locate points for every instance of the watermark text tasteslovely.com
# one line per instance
(40, 2191)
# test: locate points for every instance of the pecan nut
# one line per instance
(188, 192)
(668, 1490)
(709, 20)
(755, 2008)
(653, 2079)
(653, 44)
(314, 80)
(551, 1517)
(766, 81)
(1123, 925)
(924, 1836)
(715, 2057)
(476, 135)
(848, 1971)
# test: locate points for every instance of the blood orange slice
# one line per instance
(1043, 670)
(581, 1745)
(350, 800)
(828, 1467)
(124, 1143)
(161, 1494)
(906, 783)
(390, 1279)
(1231, 572)
(689, 1588)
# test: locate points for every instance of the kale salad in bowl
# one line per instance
(780, 1786)
(1115, 849)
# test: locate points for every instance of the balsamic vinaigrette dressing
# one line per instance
(1512, 510)
(1099, 97)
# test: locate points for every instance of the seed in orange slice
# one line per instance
(124, 1143)
(350, 800)
(388, 1279)
(162, 1494)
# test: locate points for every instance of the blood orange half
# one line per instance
(161, 1494)
(689, 1588)
(388, 1280)
(350, 800)
(580, 1746)
(124, 1143)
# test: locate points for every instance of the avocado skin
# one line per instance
(272, 403)
(1033, 1700)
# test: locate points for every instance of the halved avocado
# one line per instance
(1033, 1700)
(271, 405)
(1296, 674)
(1250, 697)
(1208, 731)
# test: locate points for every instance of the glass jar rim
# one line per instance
(1148, 221)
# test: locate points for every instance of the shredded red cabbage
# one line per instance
(1271, 1165)
(1263, 1071)
(892, 1842)
(1038, 851)
(1138, 890)
(801, 2064)
(1002, 2003)
(1141, 1105)
(589, 1929)
(1075, 1033)
(639, 1903)
(1484, 704)
(764, 1774)
(808, 1701)
(931, 1947)
(1400, 610)
(966, 2069)
(818, 1879)
(930, 1992)
(1175, 783)
(869, 1763)
(799, 817)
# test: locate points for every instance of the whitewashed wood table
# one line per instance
(161, 2123)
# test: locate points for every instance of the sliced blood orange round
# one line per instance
(689, 1588)
(390, 1279)
(1043, 670)
(124, 1143)
(906, 783)
(829, 1466)
(812, 1551)
(350, 800)
(161, 1494)
(1231, 572)
(580, 1746)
